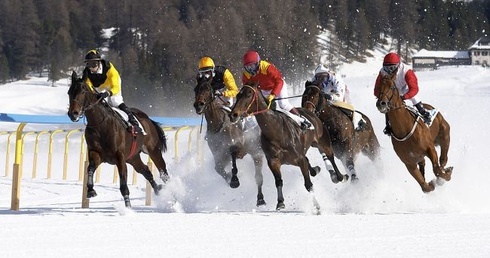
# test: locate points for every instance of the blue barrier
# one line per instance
(63, 119)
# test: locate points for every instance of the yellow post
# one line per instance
(7, 155)
(85, 200)
(176, 159)
(21, 167)
(148, 186)
(65, 160)
(50, 151)
(81, 170)
(36, 151)
(17, 173)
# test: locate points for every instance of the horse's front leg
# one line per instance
(436, 168)
(426, 187)
(234, 182)
(304, 164)
(123, 178)
(94, 162)
(332, 168)
(275, 167)
(259, 179)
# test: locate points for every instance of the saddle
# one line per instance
(125, 120)
(354, 116)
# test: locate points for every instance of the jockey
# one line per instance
(222, 82)
(337, 91)
(271, 84)
(331, 85)
(102, 77)
(406, 82)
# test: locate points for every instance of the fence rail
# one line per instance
(169, 124)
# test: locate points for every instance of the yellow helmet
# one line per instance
(206, 63)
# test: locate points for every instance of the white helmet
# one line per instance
(321, 69)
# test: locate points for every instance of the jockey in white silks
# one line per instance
(338, 92)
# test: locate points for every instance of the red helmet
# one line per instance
(391, 58)
(251, 57)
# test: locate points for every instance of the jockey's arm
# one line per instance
(231, 89)
(113, 81)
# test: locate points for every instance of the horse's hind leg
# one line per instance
(156, 157)
(304, 164)
(143, 169)
(234, 182)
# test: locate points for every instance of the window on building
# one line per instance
(484, 53)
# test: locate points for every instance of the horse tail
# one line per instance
(161, 136)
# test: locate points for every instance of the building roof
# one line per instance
(442, 54)
(481, 43)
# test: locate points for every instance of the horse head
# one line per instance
(389, 96)
(248, 101)
(80, 98)
(204, 94)
(312, 97)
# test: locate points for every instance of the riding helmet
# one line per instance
(321, 69)
(251, 57)
(206, 63)
(391, 59)
(93, 55)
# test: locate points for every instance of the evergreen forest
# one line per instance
(156, 44)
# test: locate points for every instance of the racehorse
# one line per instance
(283, 141)
(228, 141)
(347, 142)
(109, 141)
(412, 139)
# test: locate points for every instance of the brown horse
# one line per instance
(412, 139)
(228, 141)
(283, 141)
(347, 142)
(109, 141)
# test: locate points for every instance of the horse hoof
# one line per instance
(333, 177)
(260, 202)
(315, 171)
(234, 183)
(91, 194)
(354, 178)
(157, 189)
(440, 181)
(429, 187)
(280, 206)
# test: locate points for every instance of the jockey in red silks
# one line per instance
(272, 85)
(407, 84)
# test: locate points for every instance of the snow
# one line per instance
(198, 215)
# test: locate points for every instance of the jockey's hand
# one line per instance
(270, 98)
(218, 93)
(102, 95)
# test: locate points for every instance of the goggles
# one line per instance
(390, 68)
(251, 68)
(91, 63)
(206, 72)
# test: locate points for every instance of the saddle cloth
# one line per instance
(124, 117)
(433, 113)
(351, 112)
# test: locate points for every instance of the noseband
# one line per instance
(319, 105)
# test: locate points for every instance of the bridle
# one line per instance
(319, 105)
(255, 98)
(394, 93)
(83, 107)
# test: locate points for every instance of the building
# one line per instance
(480, 52)
(477, 54)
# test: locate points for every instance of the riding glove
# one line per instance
(270, 98)
(102, 95)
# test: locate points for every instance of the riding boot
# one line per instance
(305, 124)
(425, 114)
(387, 129)
(131, 118)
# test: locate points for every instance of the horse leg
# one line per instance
(219, 166)
(234, 182)
(426, 187)
(94, 162)
(145, 171)
(332, 168)
(313, 170)
(275, 167)
(303, 165)
(421, 166)
(436, 168)
(350, 166)
(159, 162)
(123, 179)
(259, 179)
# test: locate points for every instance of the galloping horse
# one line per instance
(228, 141)
(283, 141)
(412, 139)
(109, 141)
(346, 141)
